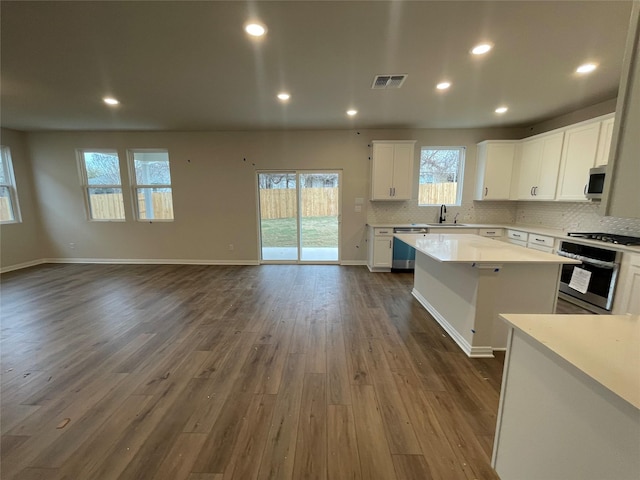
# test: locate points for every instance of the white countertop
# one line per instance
(466, 248)
(605, 347)
(540, 230)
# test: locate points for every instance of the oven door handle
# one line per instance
(588, 261)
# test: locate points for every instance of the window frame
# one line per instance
(6, 164)
(84, 178)
(135, 186)
(460, 174)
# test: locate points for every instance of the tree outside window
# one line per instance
(441, 173)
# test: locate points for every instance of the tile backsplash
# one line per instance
(567, 216)
(574, 217)
(469, 212)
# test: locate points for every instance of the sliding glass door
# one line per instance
(300, 216)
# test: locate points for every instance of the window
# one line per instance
(441, 172)
(9, 211)
(152, 186)
(102, 184)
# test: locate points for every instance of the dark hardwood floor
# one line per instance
(216, 372)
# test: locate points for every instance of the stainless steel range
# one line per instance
(592, 284)
(607, 237)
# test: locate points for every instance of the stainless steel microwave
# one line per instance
(595, 186)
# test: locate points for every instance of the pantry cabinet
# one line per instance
(539, 160)
(578, 156)
(392, 170)
(494, 169)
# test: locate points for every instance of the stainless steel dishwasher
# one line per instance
(404, 256)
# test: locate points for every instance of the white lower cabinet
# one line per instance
(456, 230)
(627, 297)
(542, 243)
(380, 249)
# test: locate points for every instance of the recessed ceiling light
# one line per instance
(284, 96)
(481, 49)
(110, 101)
(501, 109)
(255, 29)
(443, 85)
(586, 68)
(352, 112)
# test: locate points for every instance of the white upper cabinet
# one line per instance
(392, 170)
(578, 156)
(494, 169)
(539, 160)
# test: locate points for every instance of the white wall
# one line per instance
(21, 243)
(214, 188)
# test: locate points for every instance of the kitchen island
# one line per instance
(466, 281)
(570, 398)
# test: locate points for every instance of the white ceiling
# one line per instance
(190, 66)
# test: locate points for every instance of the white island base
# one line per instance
(466, 298)
(570, 399)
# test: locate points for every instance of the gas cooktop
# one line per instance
(607, 237)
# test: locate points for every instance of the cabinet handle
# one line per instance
(535, 191)
(390, 192)
(585, 189)
(539, 240)
(531, 191)
(490, 233)
(486, 191)
(394, 191)
(390, 245)
(516, 235)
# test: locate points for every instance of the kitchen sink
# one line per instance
(446, 224)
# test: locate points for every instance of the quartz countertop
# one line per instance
(605, 347)
(540, 230)
(466, 248)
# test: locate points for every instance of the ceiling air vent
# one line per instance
(388, 81)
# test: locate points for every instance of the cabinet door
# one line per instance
(604, 144)
(495, 167)
(578, 156)
(402, 171)
(545, 189)
(382, 171)
(382, 251)
(627, 297)
(530, 158)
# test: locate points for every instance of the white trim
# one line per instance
(20, 266)
(472, 352)
(353, 263)
(150, 261)
(503, 391)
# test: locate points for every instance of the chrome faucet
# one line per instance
(443, 213)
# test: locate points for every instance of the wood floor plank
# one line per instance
(343, 461)
(215, 454)
(245, 458)
(338, 385)
(373, 449)
(311, 444)
(411, 467)
(279, 453)
(179, 460)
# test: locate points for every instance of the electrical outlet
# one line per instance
(72, 245)
(231, 247)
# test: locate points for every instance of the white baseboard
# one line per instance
(20, 266)
(473, 352)
(150, 261)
